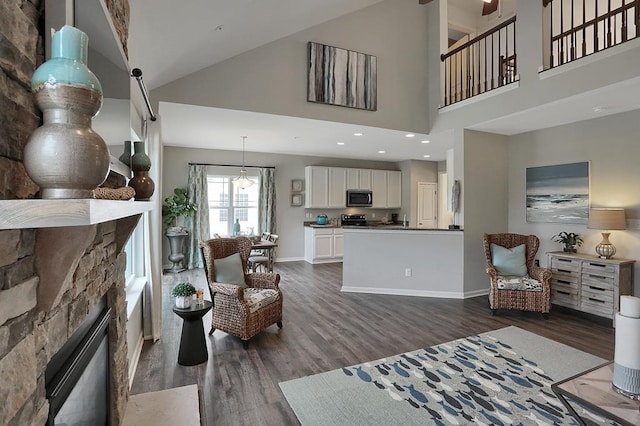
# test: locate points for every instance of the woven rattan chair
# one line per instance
(231, 309)
(523, 300)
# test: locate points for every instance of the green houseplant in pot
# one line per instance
(175, 206)
(183, 292)
(569, 240)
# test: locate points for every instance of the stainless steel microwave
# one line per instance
(359, 198)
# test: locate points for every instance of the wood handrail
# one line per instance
(485, 34)
(593, 21)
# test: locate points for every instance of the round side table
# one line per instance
(193, 346)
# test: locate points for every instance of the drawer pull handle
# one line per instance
(599, 265)
(597, 288)
(564, 292)
(562, 282)
(564, 260)
(596, 300)
(564, 270)
(600, 277)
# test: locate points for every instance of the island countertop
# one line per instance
(398, 228)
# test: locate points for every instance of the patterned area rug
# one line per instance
(502, 377)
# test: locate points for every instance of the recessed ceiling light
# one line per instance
(219, 28)
(599, 109)
(426, 141)
(340, 143)
(358, 134)
(427, 156)
(381, 152)
(409, 135)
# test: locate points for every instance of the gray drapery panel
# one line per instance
(267, 201)
(198, 224)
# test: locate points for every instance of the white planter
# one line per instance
(183, 302)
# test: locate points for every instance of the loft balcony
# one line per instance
(571, 30)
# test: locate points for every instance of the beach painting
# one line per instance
(558, 194)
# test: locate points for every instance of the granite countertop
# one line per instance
(396, 227)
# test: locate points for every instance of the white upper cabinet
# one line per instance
(326, 186)
(337, 187)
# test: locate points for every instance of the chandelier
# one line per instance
(243, 181)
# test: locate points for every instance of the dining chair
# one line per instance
(265, 259)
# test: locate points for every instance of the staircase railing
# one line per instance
(582, 27)
(484, 63)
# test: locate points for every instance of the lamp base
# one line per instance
(605, 249)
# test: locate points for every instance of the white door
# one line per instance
(427, 205)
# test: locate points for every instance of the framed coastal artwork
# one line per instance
(342, 77)
(559, 193)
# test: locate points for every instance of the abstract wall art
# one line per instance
(341, 77)
(558, 193)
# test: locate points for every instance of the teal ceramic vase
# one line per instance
(140, 165)
(64, 156)
(125, 157)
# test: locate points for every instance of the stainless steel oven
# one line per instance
(359, 198)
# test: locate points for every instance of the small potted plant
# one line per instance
(183, 292)
(570, 240)
(177, 205)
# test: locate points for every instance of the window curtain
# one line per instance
(267, 201)
(198, 224)
(152, 298)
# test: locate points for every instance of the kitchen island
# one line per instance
(403, 261)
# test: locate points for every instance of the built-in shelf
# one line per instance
(37, 213)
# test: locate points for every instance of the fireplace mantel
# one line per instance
(36, 213)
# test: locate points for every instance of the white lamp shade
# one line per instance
(607, 219)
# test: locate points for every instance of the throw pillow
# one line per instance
(228, 270)
(509, 261)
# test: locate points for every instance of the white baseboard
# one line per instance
(418, 293)
(133, 363)
(288, 259)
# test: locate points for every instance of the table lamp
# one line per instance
(606, 219)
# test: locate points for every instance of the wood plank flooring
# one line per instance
(325, 329)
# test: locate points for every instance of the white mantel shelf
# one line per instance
(37, 213)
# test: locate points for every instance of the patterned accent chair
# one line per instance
(237, 310)
(531, 292)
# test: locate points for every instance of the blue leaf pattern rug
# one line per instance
(497, 378)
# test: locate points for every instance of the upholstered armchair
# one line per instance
(515, 282)
(243, 304)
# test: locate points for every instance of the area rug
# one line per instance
(502, 377)
(176, 406)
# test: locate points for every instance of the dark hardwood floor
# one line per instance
(325, 329)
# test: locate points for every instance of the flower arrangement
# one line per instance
(570, 240)
(183, 290)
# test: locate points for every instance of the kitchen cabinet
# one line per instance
(359, 179)
(323, 245)
(590, 284)
(326, 186)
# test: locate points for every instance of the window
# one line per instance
(228, 202)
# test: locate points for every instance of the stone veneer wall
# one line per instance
(28, 336)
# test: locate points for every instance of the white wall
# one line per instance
(611, 145)
(273, 77)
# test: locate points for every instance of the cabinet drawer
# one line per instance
(598, 304)
(564, 277)
(564, 297)
(323, 231)
(597, 281)
(558, 283)
(565, 264)
(601, 268)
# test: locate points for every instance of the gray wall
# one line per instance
(485, 192)
(611, 145)
(290, 219)
(273, 78)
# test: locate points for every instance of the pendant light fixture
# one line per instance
(243, 181)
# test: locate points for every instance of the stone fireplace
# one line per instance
(51, 279)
